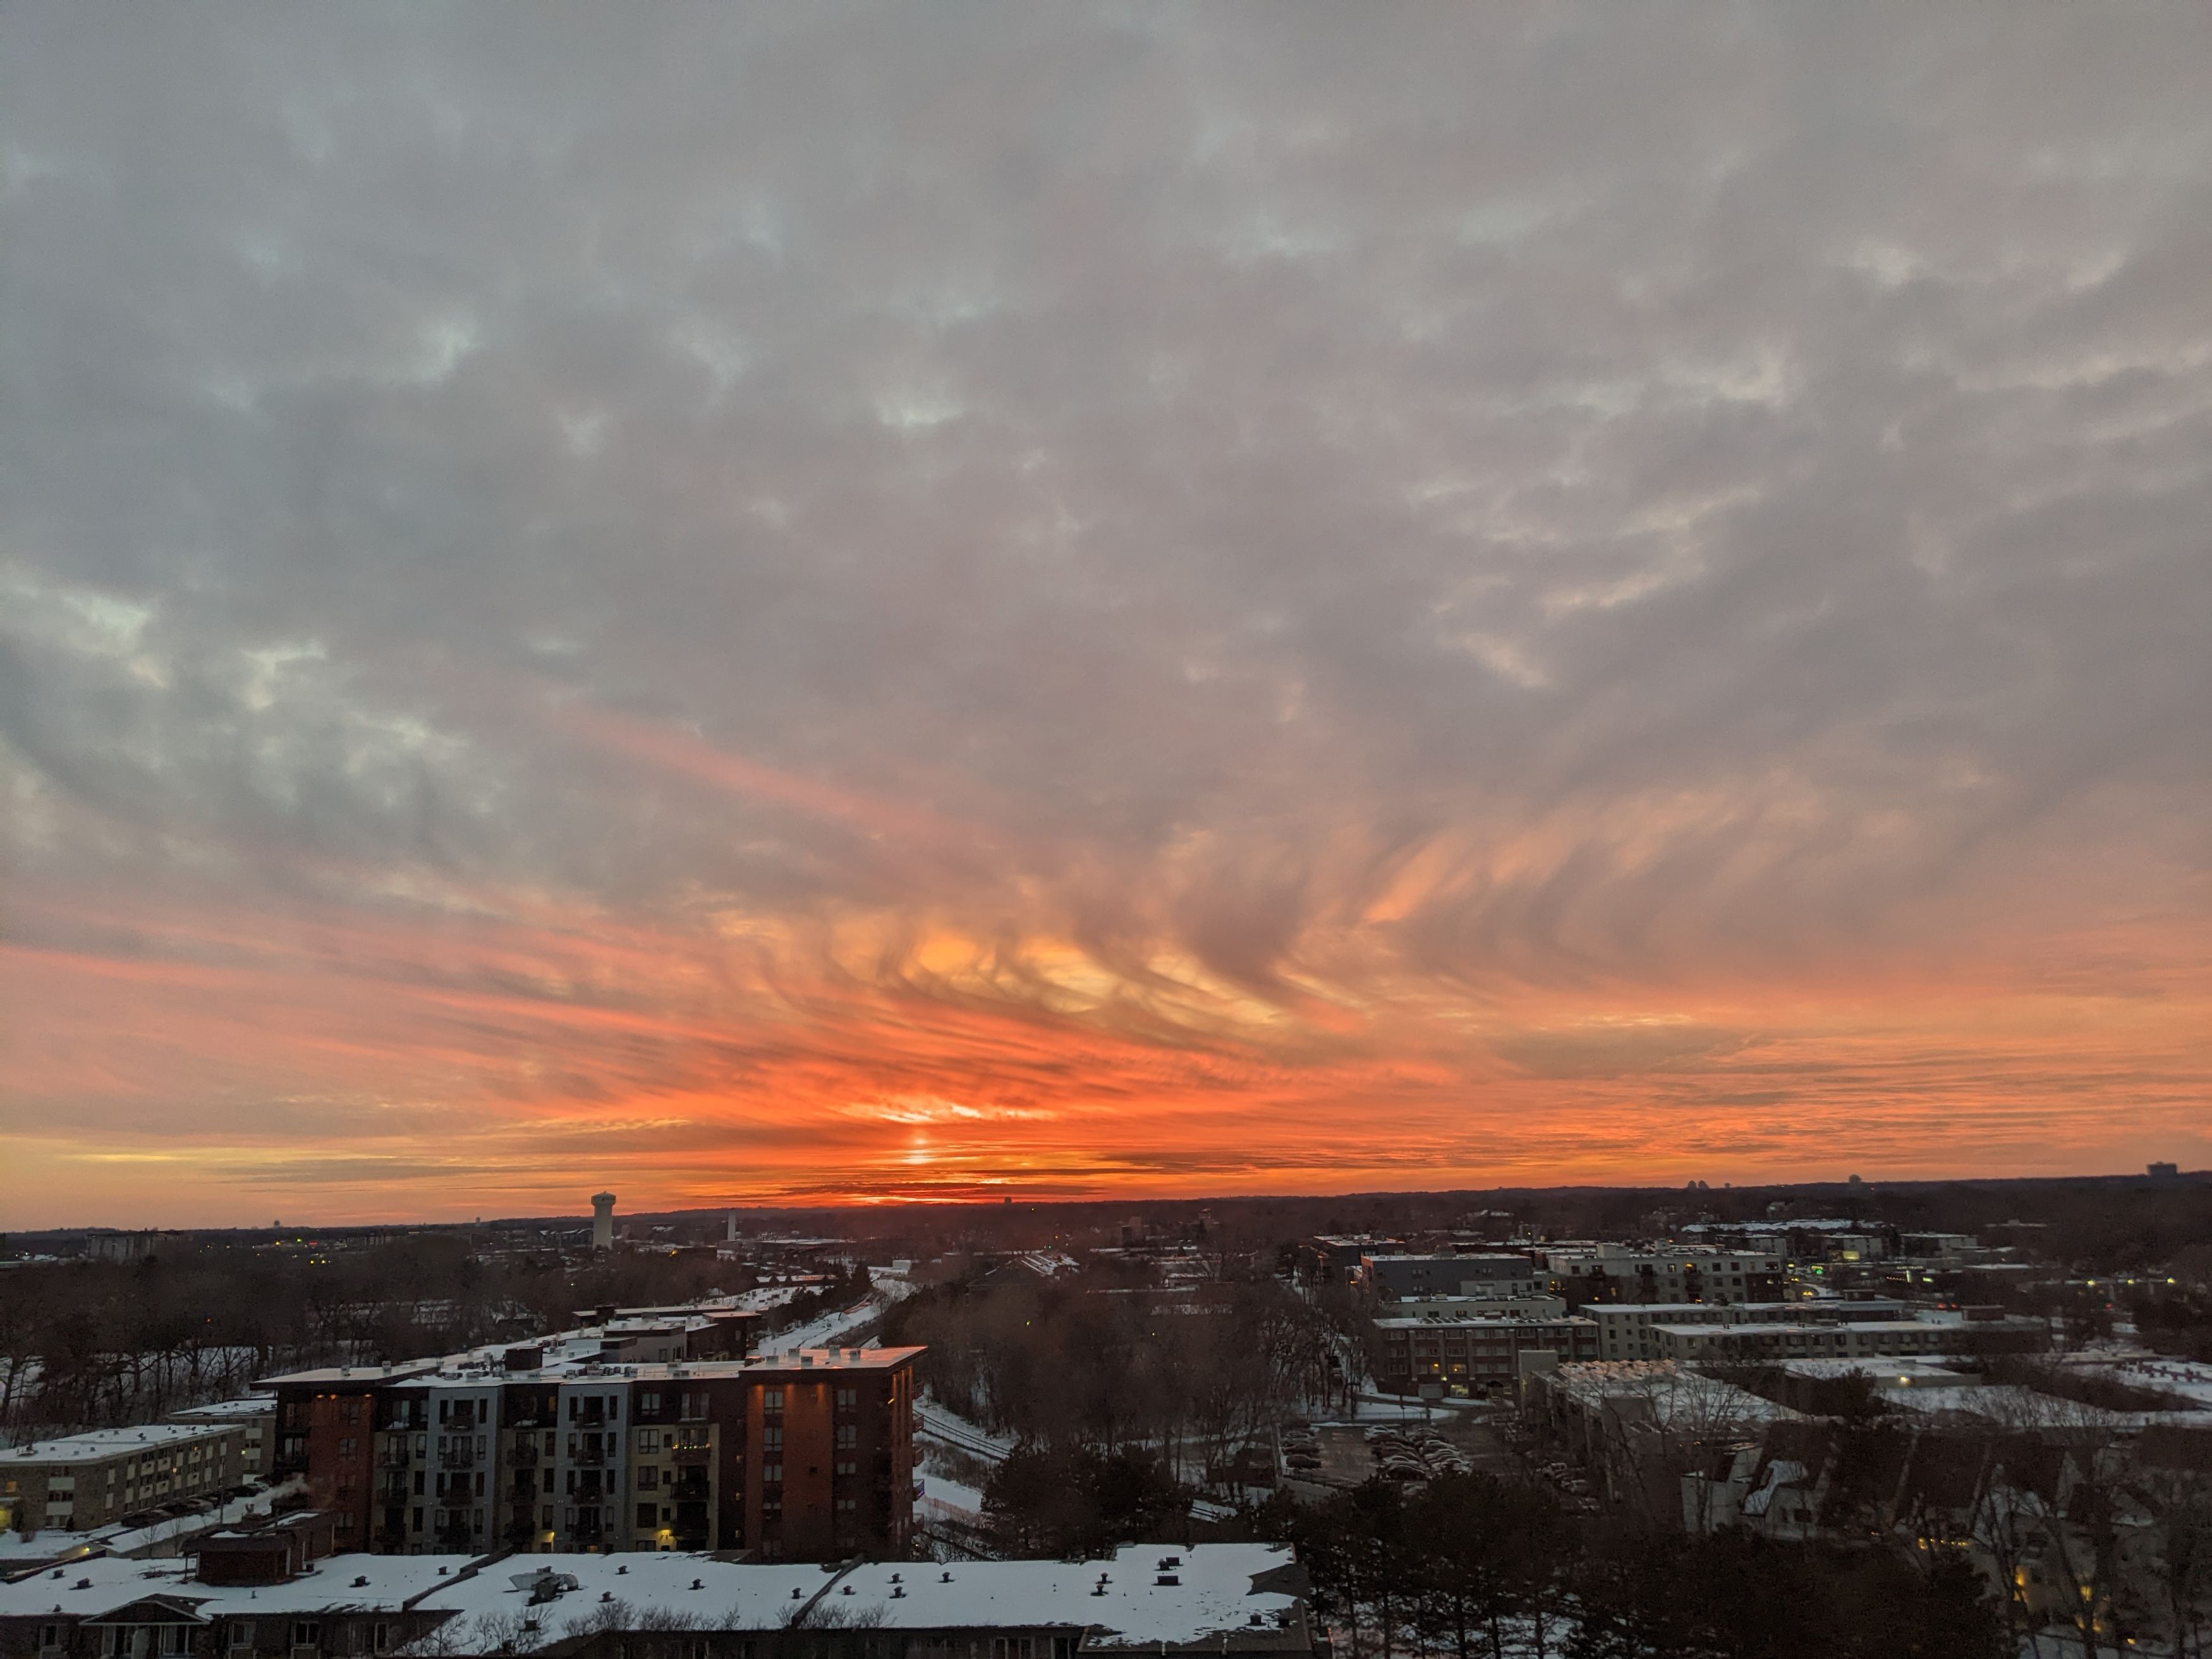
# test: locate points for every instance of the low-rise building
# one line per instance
(1401, 1278)
(1472, 1354)
(1596, 1274)
(1760, 1343)
(1625, 1327)
(86, 1480)
(255, 1413)
(1212, 1599)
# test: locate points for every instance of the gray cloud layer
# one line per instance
(1560, 498)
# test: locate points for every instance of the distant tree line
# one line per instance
(92, 1343)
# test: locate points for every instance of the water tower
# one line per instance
(603, 1221)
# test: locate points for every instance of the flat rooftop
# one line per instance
(96, 1445)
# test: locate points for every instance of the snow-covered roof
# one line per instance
(1211, 1593)
(95, 1445)
(226, 1411)
(1672, 1391)
(89, 1588)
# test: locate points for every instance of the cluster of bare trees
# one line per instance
(1469, 1565)
(1199, 1378)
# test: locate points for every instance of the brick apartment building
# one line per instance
(1474, 1354)
(554, 1447)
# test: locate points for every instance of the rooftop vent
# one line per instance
(696, 1584)
(795, 1593)
(1255, 1619)
(897, 1590)
(621, 1572)
(945, 1578)
(1167, 1579)
(361, 1580)
(847, 1590)
(82, 1583)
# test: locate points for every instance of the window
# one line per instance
(771, 1400)
(647, 1515)
(772, 1474)
(307, 1633)
(648, 1477)
(380, 1637)
(848, 1467)
(772, 1438)
(849, 1434)
(648, 1440)
(848, 1397)
(50, 1636)
(648, 1403)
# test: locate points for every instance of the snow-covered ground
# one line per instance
(58, 1543)
(829, 1329)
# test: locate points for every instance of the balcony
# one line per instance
(694, 1457)
(523, 1454)
(395, 1457)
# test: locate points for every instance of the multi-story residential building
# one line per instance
(1756, 1342)
(1472, 1354)
(1625, 1327)
(87, 1481)
(1597, 1275)
(255, 1413)
(1335, 1258)
(326, 1437)
(551, 1448)
(1397, 1278)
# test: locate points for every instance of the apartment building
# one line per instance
(1625, 1327)
(1763, 1343)
(551, 1448)
(87, 1481)
(1471, 1354)
(256, 1414)
(1603, 1273)
(1399, 1278)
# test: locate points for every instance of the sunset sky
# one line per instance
(821, 602)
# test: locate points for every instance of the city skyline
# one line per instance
(898, 605)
